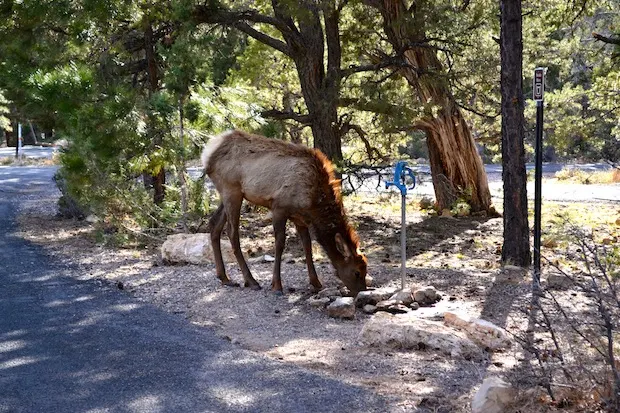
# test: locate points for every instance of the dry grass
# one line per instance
(574, 175)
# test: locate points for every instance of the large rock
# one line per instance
(193, 249)
(343, 307)
(406, 331)
(372, 297)
(494, 396)
(426, 295)
(482, 332)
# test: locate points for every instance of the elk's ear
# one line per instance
(342, 247)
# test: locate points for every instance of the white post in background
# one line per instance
(20, 153)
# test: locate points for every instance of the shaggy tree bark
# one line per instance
(456, 166)
(306, 36)
(516, 248)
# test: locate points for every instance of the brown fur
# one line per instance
(298, 184)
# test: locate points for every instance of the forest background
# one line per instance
(137, 87)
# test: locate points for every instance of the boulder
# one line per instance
(373, 296)
(193, 249)
(404, 297)
(406, 331)
(426, 295)
(343, 307)
(482, 332)
(494, 396)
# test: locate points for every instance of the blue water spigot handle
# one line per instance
(401, 170)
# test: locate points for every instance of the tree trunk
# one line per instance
(306, 39)
(516, 248)
(320, 86)
(182, 169)
(456, 166)
(158, 180)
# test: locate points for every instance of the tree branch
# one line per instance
(390, 61)
(216, 14)
(262, 37)
(287, 115)
(605, 39)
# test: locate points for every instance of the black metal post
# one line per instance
(538, 190)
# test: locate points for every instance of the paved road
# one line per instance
(29, 151)
(71, 346)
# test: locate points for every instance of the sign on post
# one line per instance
(539, 89)
(539, 83)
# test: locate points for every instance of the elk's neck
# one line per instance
(326, 223)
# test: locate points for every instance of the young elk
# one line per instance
(296, 183)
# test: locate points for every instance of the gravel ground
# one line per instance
(459, 257)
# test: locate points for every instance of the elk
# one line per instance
(296, 183)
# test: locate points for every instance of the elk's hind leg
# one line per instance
(232, 205)
(306, 241)
(216, 226)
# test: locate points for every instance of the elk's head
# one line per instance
(353, 267)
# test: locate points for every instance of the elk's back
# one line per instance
(267, 172)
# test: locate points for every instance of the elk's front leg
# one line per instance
(279, 229)
(306, 241)
(216, 223)
(232, 205)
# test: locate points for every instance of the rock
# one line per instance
(329, 292)
(426, 295)
(369, 309)
(482, 332)
(426, 203)
(414, 305)
(406, 331)
(193, 249)
(343, 307)
(316, 301)
(92, 219)
(403, 296)
(392, 306)
(369, 280)
(494, 396)
(511, 274)
(373, 296)
(446, 213)
(558, 281)
(268, 258)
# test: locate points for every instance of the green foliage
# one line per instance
(79, 68)
(5, 123)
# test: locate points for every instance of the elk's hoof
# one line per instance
(230, 283)
(277, 293)
(254, 286)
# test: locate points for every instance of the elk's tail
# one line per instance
(212, 146)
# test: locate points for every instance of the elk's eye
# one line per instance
(358, 274)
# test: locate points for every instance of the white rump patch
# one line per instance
(212, 146)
